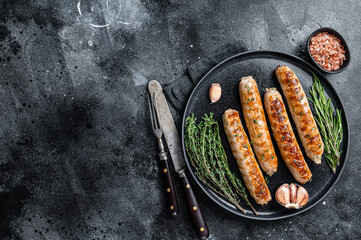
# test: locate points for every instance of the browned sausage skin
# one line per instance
(285, 137)
(301, 113)
(257, 125)
(247, 164)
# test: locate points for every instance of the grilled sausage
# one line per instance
(247, 164)
(285, 137)
(301, 113)
(257, 125)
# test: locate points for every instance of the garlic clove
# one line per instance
(287, 195)
(215, 92)
(293, 196)
(302, 196)
(283, 194)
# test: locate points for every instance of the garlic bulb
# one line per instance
(292, 196)
(215, 92)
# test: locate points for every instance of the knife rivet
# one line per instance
(168, 189)
(202, 229)
(187, 186)
(171, 207)
(165, 170)
(194, 208)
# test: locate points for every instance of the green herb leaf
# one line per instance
(266, 179)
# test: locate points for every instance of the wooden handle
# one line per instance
(197, 217)
(172, 204)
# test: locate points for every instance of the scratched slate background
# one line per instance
(77, 154)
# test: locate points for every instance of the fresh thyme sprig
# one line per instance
(330, 123)
(207, 155)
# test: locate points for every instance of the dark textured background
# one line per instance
(77, 158)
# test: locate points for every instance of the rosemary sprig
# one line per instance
(207, 155)
(330, 123)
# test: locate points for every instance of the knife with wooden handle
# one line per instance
(174, 146)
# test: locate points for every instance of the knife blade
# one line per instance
(174, 147)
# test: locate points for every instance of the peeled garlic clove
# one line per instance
(215, 92)
(302, 196)
(293, 191)
(283, 194)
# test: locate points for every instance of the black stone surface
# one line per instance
(78, 159)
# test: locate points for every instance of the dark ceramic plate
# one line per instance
(261, 65)
(343, 42)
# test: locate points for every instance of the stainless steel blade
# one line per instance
(168, 126)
